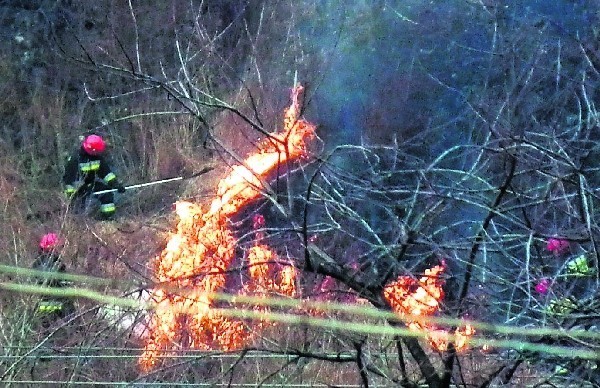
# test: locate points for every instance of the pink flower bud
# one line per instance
(557, 245)
(542, 286)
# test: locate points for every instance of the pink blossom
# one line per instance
(542, 286)
(557, 245)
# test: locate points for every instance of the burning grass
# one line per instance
(199, 253)
(409, 296)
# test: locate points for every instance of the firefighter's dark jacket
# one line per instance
(49, 262)
(52, 307)
(84, 171)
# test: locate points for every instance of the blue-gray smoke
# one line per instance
(395, 68)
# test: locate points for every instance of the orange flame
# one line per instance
(422, 297)
(194, 262)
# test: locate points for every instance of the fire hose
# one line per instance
(158, 182)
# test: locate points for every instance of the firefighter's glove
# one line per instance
(121, 189)
(70, 191)
(579, 267)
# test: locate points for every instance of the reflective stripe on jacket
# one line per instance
(91, 166)
(108, 208)
(50, 306)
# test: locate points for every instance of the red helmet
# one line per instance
(48, 241)
(94, 145)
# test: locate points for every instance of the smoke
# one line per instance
(384, 66)
(396, 69)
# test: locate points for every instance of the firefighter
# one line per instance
(51, 308)
(88, 171)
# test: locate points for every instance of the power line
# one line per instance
(171, 384)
